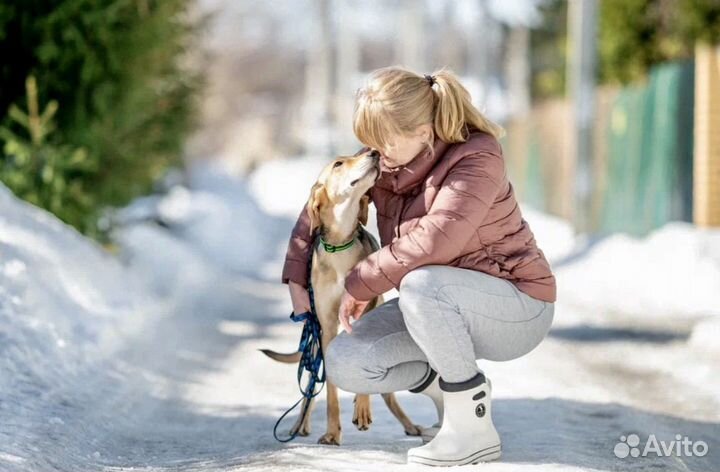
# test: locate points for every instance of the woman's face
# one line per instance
(402, 149)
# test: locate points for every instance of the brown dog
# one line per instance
(336, 205)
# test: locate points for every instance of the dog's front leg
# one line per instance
(333, 435)
(362, 416)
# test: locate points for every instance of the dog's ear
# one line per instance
(318, 198)
(363, 213)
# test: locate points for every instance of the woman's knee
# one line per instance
(418, 280)
(346, 364)
(415, 287)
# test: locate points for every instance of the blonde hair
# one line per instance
(395, 101)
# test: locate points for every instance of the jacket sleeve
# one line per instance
(461, 205)
(298, 251)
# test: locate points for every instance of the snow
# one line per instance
(148, 359)
(218, 219)
(65, 306)
(674, 271)
(555, 236)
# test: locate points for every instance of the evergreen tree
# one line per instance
(636, 34)
(123, 97)
(48, 175)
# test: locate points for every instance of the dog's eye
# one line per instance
(338, 164)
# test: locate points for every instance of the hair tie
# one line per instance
(430, 79)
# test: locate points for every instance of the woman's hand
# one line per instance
(350, 308)
(300, 297)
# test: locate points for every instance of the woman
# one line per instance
(472, 282)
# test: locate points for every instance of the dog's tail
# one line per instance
(280, 357)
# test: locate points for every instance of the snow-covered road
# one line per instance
(162, 371)
(209, 400)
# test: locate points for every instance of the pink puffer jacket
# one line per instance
(456, 208)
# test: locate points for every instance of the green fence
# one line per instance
(643, 154)
(535, 182)
(649, 153)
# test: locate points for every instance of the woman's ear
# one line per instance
(363, 213)
(425, 133)
(318, 198)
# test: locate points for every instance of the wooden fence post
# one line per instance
(706, 168)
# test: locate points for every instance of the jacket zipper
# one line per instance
(399, 217)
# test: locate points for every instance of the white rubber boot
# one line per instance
(431, 388)
(467, 434)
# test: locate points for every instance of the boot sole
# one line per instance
(484, 455)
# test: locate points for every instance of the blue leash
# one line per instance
(311, 360)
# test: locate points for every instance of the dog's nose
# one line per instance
(375, 154)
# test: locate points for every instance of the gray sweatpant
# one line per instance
(445, 318)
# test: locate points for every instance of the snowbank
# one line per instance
(673, 272)
(70, 310)
(705, 335)
(59, 290)
(66, 305)
(214, 214)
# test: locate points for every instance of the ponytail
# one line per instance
(454, 111)
(396, 100)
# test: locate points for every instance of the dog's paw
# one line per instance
(362, 416)
(414, 430)
(330, 439)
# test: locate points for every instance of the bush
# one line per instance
(44, 173)
(636, 34)
(548, 49)
(113, 78)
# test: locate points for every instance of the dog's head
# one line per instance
(346, 178)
